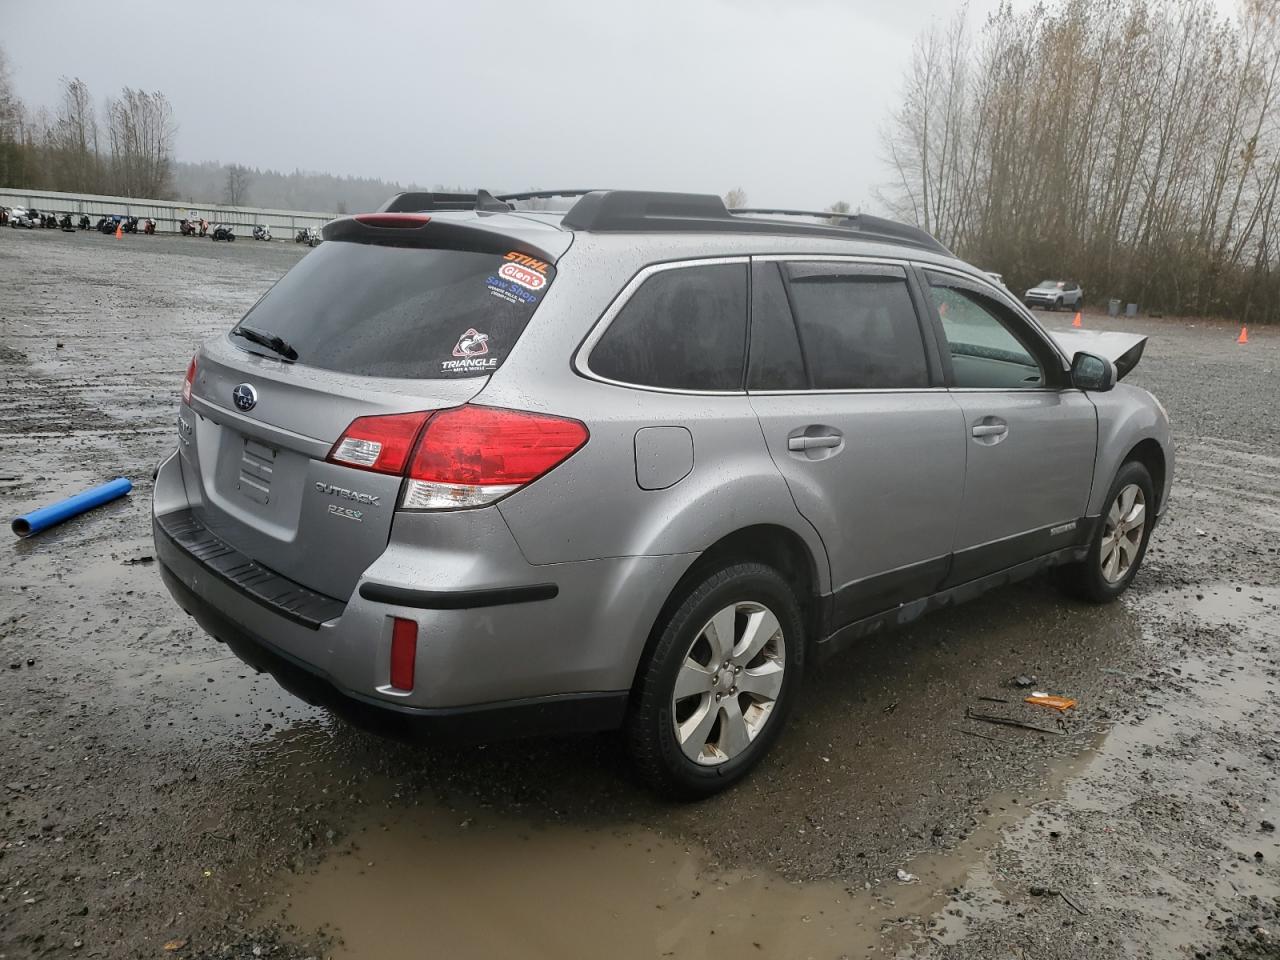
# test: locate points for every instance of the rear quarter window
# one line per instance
(683, 328)
(405, 312)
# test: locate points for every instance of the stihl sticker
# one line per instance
(526, 261)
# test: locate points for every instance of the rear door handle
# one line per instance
(812, 443)
(990, 429)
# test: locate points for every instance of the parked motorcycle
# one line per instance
(130, 225)
(149, 226)
(85, 223)
(66, 224)
(308, 235)
(262, 232)
(188, 228)
(224, 231)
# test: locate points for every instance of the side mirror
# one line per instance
(1092, 372)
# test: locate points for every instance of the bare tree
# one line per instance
(737, 197)
(236, 191)
(73, 140)
(13, 160)
(141, 130)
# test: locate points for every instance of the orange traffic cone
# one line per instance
(119, 232)
(1077, 322)
(1244, 335)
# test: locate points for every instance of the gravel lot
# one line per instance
(157, 799)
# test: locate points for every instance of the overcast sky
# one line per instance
(783, 98)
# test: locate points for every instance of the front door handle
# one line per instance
(812, 443)
(990, 429)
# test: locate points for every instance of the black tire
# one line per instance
(651, 739)
(1085, 579)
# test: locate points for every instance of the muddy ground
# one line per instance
(157, 799)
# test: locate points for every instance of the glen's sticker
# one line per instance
(526, 277)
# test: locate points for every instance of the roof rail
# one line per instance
(645, 211)
(482, 201)
(545, 194)
(419, 201)
(879, 227)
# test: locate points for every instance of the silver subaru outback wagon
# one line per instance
(477, 471)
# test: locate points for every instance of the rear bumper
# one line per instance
(552, 647)
(532, 716)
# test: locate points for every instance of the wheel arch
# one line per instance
(1150, 454)
(1131, 426)
(771, 544)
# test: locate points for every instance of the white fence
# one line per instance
(166, 213)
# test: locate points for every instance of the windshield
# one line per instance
(385, 311)
(1047, 285)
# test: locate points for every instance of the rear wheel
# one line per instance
(714, 692)
(1120, 542)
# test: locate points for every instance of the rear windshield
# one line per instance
(383, 311)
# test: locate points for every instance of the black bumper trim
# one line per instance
(281, 595)
(457, 599)
(505, 720)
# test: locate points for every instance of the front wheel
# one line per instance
(714, 693)
(1120, 541)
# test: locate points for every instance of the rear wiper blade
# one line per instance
(271, 341)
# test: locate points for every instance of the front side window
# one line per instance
(984, 350)
(683, 329)
(858, 327)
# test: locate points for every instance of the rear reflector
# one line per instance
(404, 651)
(380, 444)
(472, 455)
(186, 384)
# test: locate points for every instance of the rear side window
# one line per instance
(411, 312)
(683, 329)
(857, 326)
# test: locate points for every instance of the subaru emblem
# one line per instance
(245, 397)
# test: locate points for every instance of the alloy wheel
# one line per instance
(1122, 533)
(728, 683)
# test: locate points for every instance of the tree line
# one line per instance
(125, 148)
(1131, 144)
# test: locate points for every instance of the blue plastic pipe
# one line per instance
(55, 513)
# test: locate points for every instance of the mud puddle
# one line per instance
(474, 884)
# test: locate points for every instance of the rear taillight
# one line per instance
(191, 378)
(380, 444)
(470, 456)
(463, 457)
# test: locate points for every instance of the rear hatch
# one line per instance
(389, 317)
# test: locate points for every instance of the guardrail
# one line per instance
(168, 214)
